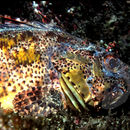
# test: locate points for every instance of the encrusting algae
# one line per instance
(43, 69)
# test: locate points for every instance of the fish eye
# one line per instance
(112, 63)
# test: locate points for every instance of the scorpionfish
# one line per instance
(44, 69)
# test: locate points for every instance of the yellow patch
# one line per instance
(7, 42)
(26, 56)
(7, 101)
(76, 76)
(7, 97)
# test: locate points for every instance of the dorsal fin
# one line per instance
(15, 21)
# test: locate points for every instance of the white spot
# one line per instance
(71, 10)
(36, 10)
(44, 3)
(18, 19)
(50, 3)
(35, 5)
(101, 41)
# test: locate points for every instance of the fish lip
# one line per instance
(105, 104)
(116, 97)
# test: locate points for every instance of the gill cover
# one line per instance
(75, 88)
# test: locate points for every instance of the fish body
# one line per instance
(44, 69)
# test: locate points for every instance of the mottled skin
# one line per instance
(38, 62)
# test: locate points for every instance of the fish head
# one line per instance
(116, 80)
(93, 77)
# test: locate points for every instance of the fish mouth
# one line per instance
(77, 101)
(115, 95)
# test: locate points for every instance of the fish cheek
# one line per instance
(74, 86)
